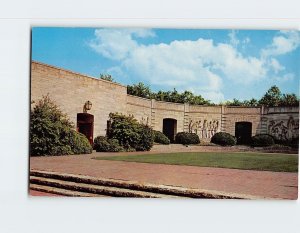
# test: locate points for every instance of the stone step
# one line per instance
(62, 192)
(94, 189)
(161, 190)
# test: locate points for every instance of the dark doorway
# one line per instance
(170, 128)
(243, 132)
(85, 125)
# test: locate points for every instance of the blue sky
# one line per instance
(217, 64)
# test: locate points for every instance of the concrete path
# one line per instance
(257, 183)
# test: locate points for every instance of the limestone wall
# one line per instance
(140, 108)
(71, 90)
(239, 114)
(163, 110)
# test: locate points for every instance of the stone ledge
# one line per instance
(154, 188)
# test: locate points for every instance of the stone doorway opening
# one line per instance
(170, 128)
(243, 132)
(85, 125)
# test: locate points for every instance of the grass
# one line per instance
(244, 161)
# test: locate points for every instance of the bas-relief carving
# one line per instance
(144, 120)
(204, 128)
(284, 130)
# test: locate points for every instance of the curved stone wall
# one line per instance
(71, 90)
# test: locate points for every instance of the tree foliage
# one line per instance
(107, 77)
(272, 98)
(140, 90)
(144, 91)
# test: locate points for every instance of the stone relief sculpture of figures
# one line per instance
(284, 130)
(205, 129)
(145, 120)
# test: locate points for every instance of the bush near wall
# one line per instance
(293, 142)
(187, 138)
(130, 134)
(159, 137)
(52, 133)
(223, 139)
(262, 140)
(103, 144)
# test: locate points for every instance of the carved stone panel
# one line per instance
(283, 129)
(204, 128)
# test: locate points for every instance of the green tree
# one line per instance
(140, 90)
(234, 102)
(272, 97)
(107, 77)
(250, 103)
(289, 100)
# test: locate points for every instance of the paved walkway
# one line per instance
(258, 183)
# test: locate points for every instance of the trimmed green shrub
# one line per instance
(262, 140)
(130, 133)
(159, 137)
(103, 144)
(52, 133)
(223, 139)
(79, 143)
(187, 138)
(294, 142)
(146, 141)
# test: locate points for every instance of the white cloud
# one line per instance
(117, 43)
(284, 42)
(200, 66)
(246, 40)
(285, 78)
(275, 65)
(233, 39)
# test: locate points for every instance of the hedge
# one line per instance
(159, 137)
(103, 144)
(262, 140)
(223, 139)
(187, 138)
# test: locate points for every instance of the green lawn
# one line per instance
(245, 161)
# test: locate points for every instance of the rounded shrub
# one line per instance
(294, 142)
(79, 143)
(103, 144)
(187, 138)
(262, 140)
(159, 137)
(223, 139)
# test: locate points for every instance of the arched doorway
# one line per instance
(85, 125)
(170, 128)
(243, 132)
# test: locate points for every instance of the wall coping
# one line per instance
(267, 110)
(72, 72)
